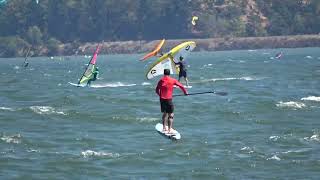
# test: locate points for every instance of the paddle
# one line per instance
(207, 92)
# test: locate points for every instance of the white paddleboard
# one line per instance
(188, 87)
(172, 135)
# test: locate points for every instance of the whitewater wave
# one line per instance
(46, 110)
(116, 84)
(311, 98)
(15, 139)
(6, 109)
(291, 104)
(90, 153)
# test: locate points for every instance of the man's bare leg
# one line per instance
(170, 124)
(187, 82)
(164, 121)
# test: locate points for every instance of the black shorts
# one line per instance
(182, 74)
(166, 105)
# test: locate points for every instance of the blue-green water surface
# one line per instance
(268, 127)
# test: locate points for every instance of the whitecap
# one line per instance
(274, 157)
(117, 84)
(291, 104)
(146, 84)
(15, 139)
(45, 110)
(309, 57)
(6, 109)
(314, 137)
(33, 150)
(246, 78)
(90, 153)
(311, 98)
(303, 150)
(274, 138)
(247, 149)
(147, 119)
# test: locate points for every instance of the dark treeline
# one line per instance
(25, 23)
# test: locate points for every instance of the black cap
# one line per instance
(166, 72)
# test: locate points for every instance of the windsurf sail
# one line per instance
(26, 63)
(167, 61)
(154, 52)
(279, 55)
(194, 20)
(88, 73)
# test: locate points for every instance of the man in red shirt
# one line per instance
(164, 90)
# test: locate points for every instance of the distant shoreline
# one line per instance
(211, 44)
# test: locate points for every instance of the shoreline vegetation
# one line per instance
(210, 44)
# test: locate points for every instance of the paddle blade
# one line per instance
(221, 93)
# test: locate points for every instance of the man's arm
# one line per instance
(177, 83)
(158, 88)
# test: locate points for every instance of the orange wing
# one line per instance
(154, 52)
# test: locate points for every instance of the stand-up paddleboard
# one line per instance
(185, 86)
(172, 135)
(154, 52)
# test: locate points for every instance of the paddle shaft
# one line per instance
(207, 92)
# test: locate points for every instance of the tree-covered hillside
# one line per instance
(51, 22)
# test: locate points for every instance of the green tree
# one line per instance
(10, 46)
(53, 46)
(34, 36)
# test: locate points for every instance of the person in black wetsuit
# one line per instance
(95, 76)
(183, 69)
